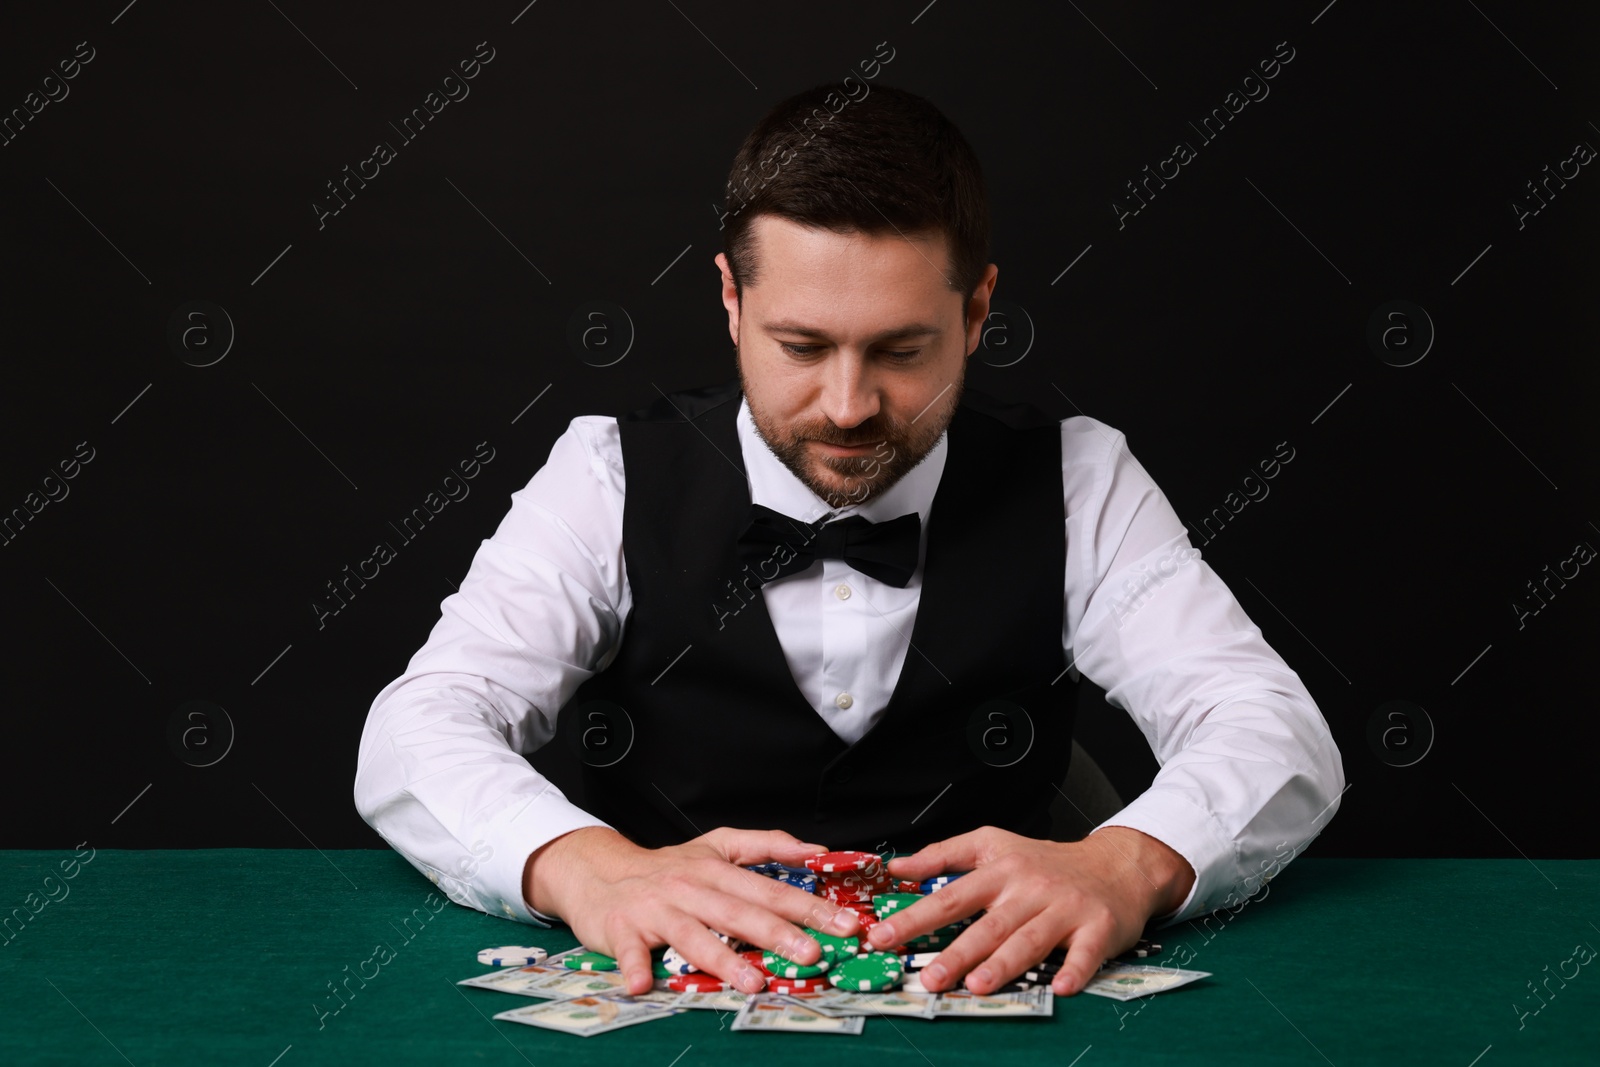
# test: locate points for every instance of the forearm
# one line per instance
(1256, 782)
(444, 788)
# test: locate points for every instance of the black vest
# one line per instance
(697, 722)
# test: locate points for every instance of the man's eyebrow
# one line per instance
(910, 329)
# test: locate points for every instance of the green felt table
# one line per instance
(226, 956)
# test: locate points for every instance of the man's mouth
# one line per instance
(850, 450)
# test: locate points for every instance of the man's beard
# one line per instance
(857, 479)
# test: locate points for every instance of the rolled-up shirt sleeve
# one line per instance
(1249, 770)
(441, 774)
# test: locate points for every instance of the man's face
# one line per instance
(851, 351)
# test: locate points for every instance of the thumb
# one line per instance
(959, 853)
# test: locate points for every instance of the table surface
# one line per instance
(227, 955)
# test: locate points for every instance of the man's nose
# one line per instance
(850, 391)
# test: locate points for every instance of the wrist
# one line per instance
(551, 868)
(1158, 875)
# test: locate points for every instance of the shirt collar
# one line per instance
(774, 486)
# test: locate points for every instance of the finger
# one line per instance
(761, 911)
(958, 900)
(1026, 946)
(975, 944)
(794, 904)
(706, 951)
(633, 959)
(1086, 951)
(959, 853)
(746, 847)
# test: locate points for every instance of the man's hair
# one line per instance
(888, 163)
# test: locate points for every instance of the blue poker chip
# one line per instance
(937, 882)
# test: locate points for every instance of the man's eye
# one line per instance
(896, 355)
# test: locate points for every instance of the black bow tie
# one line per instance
(775, 545)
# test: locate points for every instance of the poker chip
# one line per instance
(872, 973)
(696, 983)
(659, 970)
(915, 961)
(797, 985)
(1143, 950)
(833, 948)
(937, 882)
(783, 967)
(907, 886)
(675, 963)
(512, 956)
(886, 904)
(589, 961)
(838, 862)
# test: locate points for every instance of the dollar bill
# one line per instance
(841, 1004)
(587, 1016)
(1125, 981)
(547, 982)
(775, 1011)
(727, 1000)
(960, 1003)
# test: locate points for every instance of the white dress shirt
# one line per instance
(1249, 771)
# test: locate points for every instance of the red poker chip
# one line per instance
(798, 985)
(753, 958)
(830, 862)
(850, 899)
(905, 885)
(696, 983)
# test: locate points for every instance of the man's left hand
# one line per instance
(1094, 896)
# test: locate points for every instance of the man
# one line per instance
(769, 676)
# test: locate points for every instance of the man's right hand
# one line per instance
(624, 900)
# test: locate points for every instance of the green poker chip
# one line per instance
(885, 904)
(784, 967)
(833, 948)
(872, 973)
(589, 961)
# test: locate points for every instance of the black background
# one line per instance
(588, 163)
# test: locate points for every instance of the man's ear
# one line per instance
(976, 313)
(730, 296)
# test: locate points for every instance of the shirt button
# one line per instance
(843, 700)
(842, 591)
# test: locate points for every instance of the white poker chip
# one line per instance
(918, 960)
(674, 961)
(512, 956)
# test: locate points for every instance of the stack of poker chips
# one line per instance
(787, 976)
(851, 880)
(798, 877)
